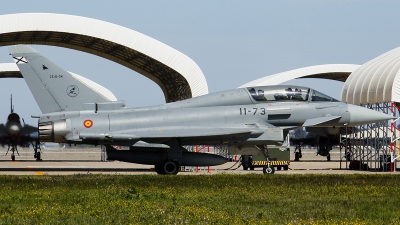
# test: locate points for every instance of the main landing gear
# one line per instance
(297, 153)
(167, 167)
(170, 164)
(37, 151)
(36, 148)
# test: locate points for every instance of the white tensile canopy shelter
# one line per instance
(11, 70)
(178, 76)
(338, 72)
(376, 81)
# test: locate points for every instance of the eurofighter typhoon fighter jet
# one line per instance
(14, 133)
(247, 120)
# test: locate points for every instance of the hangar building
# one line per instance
(178, 76)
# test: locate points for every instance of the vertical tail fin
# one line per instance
(54, 88)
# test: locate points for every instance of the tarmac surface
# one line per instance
(88, 160)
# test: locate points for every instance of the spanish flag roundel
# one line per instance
(88, 123)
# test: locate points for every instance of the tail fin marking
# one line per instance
(54, 88)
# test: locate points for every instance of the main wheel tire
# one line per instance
(279, 168)
(268, 170)
(13, 158)
(38, 155)
(168, 168)
(328, 157)
(245, 167)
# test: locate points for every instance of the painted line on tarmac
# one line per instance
(82, 169)
(41, 167)
(323, 169)
(35, 171)
(56, 160)
(72, 152)
(292, 161)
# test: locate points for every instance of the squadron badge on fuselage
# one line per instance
(72, 91)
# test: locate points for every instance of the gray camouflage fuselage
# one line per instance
(232, 117)
(247, 120)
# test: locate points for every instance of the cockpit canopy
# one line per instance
(287, 93)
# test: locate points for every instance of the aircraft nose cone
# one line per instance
(360, 115)
(14, 129)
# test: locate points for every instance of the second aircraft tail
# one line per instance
(53, 88)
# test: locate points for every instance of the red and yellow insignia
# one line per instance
(88, 123)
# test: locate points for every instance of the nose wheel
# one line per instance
(38, 156)
(13, 149)
(268, 170)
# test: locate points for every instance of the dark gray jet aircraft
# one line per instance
(247, 120)
(14, 133)
(324, 138)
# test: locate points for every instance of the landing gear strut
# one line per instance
(37, 154)
(170, 164)
(297, 153)
(13, 149)
(268, 169)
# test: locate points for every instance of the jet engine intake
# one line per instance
(323, 150)
(53, 131)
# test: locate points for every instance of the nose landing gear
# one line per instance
(13, 149)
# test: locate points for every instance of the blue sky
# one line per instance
(233, 42)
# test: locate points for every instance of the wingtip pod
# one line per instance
(360, 116)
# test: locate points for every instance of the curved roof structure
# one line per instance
(338, 72)
(178, 76)
(376, 81)
(11, 70)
